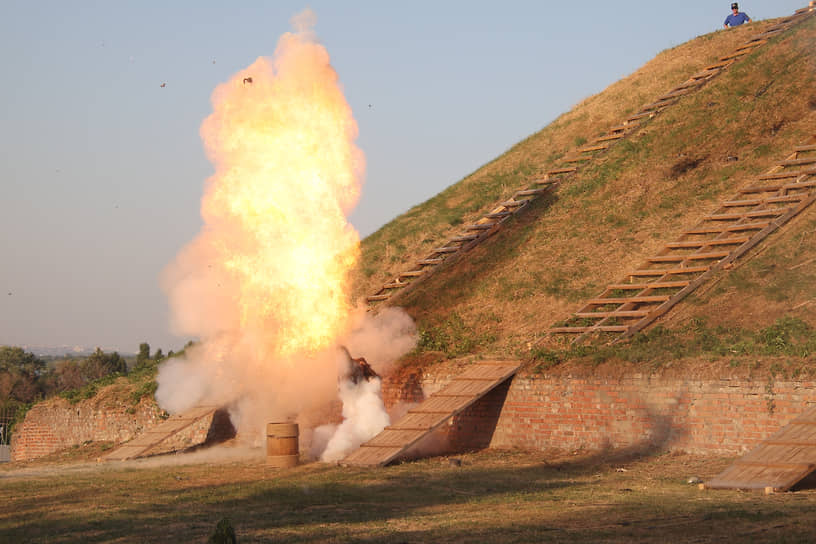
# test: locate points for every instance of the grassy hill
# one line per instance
(620, 209)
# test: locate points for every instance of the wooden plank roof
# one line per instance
(778, 463)
(161, 432)
(475, 382)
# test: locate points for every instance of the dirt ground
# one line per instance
(488, 496)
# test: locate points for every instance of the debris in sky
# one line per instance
(213, 61)
(163, 85)
(247, 80)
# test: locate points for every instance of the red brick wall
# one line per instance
(57, 424)
(708, 416)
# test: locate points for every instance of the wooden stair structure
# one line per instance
(740, 223)
(142, 445)
(465, 389)
(489, 223)
(777, 463)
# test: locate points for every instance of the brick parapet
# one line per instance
(57, 424)
(706, 416)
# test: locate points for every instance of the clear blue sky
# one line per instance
(102, 170)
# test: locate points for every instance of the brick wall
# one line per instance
(725, 415)
(56, 424)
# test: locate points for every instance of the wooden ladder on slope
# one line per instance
(547, 182)
(739, 224)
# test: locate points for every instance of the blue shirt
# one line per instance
(736, 20)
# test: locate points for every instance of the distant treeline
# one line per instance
(26, 378)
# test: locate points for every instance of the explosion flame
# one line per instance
(264, 285)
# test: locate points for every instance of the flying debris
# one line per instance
(358, 369)
(247, 80)
(163, 85)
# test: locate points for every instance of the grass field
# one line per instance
(493, 496)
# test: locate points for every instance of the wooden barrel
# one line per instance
(282, 444)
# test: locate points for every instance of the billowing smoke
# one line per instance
(264, 286)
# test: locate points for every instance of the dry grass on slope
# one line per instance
(409, 237)
(626, 205)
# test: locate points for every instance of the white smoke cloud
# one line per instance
(382, 338)
(364, 416)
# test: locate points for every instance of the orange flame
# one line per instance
(278, 245)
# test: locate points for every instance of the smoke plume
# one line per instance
(264, 286)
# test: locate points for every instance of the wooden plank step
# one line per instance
(721, 64)
(788, 174)
(480, 226)
(498, 215)
(759, 225)
(752, 44)
(761, 201)
(652, 285)
(543, 181)
(689, 84)
(670, 271)
(640, 115)
(735, 55)
(564, 170)
(809, 466)
(411, 274)
(531, 192)
(430, 262)
(657, 105)
(770, 32)
(801, 148)
(375, 298)
(608, 137)
(619, 128)
(627, 300)
(619, 313)
(601, 328)
(447, 249)
(688, 257)
(705, 74)
(464, 238)
(702, 243)
(591, 148)
(395, 285)
(747, 215)
(513, 203)
(777, 188)
(676, 93)
(798, 162)
(576, 159)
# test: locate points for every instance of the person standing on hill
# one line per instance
(736, 18)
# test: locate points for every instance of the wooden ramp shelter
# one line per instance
(778, 463)
(142, 444)
(474, 383)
